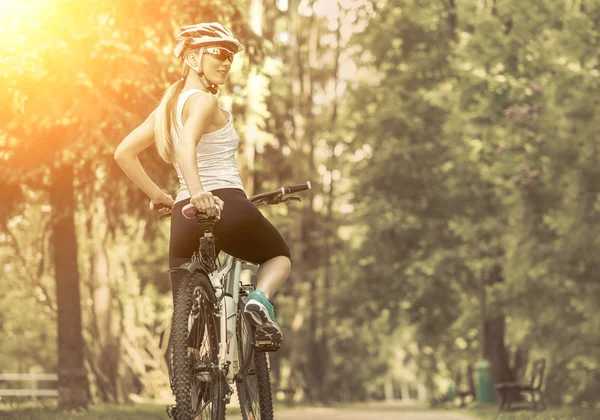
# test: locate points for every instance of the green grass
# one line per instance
(104, 412)
(99, 412)
(565, 413)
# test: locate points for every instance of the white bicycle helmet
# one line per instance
(202, 34)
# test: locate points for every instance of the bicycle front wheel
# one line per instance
(198, 384)
(253, 381)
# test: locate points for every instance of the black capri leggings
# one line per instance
(242, 231)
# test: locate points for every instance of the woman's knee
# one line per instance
(282, 262)
(286, 252)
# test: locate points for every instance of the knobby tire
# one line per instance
(254, 393)
(206, 385)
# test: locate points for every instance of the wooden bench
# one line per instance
(508, 390)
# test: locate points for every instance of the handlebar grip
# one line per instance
(190, 211)
(296, 188)
(156, 207)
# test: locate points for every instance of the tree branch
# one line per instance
(36, 280)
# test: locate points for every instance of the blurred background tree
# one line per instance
(451, 146)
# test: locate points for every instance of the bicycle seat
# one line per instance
(190, 211)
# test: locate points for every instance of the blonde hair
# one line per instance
(164, 118)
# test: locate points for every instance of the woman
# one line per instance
(196, 135)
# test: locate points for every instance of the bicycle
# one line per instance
(213, 345)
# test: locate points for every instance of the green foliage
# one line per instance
(72, 87)
(104, 412)
(27, 298)
(463, 163)
(481, 121)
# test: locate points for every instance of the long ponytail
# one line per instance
(164, 119)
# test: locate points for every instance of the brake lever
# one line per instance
(275, 200)
(291, 199)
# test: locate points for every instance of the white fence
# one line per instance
(405, 392)
(33, 391)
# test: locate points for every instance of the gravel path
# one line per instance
(366, 414)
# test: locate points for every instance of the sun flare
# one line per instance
(21, 14)
(20, 24)
(10, 8)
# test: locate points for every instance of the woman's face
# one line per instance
(216, 63)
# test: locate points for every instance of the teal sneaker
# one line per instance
(260, 313)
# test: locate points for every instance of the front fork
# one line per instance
(228, 354)
(228, 316)
(226, 284)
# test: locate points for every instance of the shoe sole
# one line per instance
(259, 317)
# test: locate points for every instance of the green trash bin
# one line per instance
(451, 393)
(485, 385)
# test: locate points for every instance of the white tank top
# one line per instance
(215, 154)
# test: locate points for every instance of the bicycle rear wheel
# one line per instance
(197, 381)
(253, 381)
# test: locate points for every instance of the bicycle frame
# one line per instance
(226, 281)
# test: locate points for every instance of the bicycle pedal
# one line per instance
(171, 409)
(266, 346)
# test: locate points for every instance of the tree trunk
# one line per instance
(106, 323)
(296, 347)
(298, 290)
(329, 229)
(452, 18)
(495, 349)
(247, 149)
(72, 375)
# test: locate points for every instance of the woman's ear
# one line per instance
(192, 61)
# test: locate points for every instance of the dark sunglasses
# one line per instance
(220, 53)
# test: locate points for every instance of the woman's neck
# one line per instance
(193, 81)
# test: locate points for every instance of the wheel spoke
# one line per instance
(195, 353)
(202, 366)
(254, 389)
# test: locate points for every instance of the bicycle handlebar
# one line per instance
(157, 207)
(190, 211)
(273, 197)
(297, 188)
(281, 192)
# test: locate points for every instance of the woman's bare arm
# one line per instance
(127, 153)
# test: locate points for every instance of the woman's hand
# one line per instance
(208, 203)
(164, 199)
